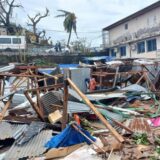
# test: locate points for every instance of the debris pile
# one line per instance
(104, 110)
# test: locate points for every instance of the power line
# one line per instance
(54, 30)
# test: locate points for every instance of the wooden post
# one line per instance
(3, 84)
(116, 76)
(1, 87)
(77, 129)
(65, 103)
(2, 114)
(150, 82)
(140, 79)
(104, 121)
(35, 107)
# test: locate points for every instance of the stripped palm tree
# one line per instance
(69, 23)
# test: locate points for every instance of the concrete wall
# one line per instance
(65, 59)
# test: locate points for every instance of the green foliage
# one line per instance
(141, 139)
(42, 62)
(69, 22)
(157, 140)
(153, 158)
(158, 149)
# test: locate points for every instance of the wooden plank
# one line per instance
(2, 114)
(60, 85)
(35, 107)
(55, 116)
(121, 125)
(140, 79)
(104, 121)
(115, 78)
(65, 104)
(62, 151)
(77, 129)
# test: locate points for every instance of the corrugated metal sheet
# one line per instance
(33, 129)
(139, 125)
(33, 148)
(7, 68)
(48, 99)
(55, 98)
(78, 76)
(101, 96)
(74, 107)
(10, 131)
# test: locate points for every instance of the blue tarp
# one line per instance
(68, 137)
(89, 60)
(62, 66)
(46, 70)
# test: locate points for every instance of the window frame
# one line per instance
(18, 42)
(4, 42)
(153, 46)
(126, 26)
(139, 49)
(123, 48)
(113, 53)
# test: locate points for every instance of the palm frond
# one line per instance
(66, 12)
(75, 28)
(61, 15)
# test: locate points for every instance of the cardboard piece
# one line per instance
(55, 116)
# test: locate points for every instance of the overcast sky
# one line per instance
(92, 15)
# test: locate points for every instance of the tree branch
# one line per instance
(1, 6)
(2, 20)
(42, 16)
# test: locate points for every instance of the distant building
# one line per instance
(136, 36)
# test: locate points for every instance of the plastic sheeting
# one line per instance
(68, 137)
(154, 121)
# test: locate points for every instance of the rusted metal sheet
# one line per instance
(139, 125)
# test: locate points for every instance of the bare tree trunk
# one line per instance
(69, 38)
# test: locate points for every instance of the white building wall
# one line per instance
(135, 32)
(146, 20)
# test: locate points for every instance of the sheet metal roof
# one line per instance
(74, 107)
(10, 131)
(134, 15)
(33, 148)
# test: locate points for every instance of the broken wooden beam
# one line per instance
(65, 104)
(99, 115)
(2, 114)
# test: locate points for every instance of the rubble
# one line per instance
(118, 119)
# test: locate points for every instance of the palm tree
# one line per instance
(69, 23)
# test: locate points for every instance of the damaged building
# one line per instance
(136, 36)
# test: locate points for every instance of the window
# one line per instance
(123, 51)
(141, 47)
(126, 26)
(107, 51)
(16, 41)
(5, 40)
(151, 45)
(113, 53)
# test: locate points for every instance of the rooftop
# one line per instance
(134, 15)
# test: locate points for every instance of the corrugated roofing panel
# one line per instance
(7, 68)
(9, 131)
(74, 107)
(33, 148)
